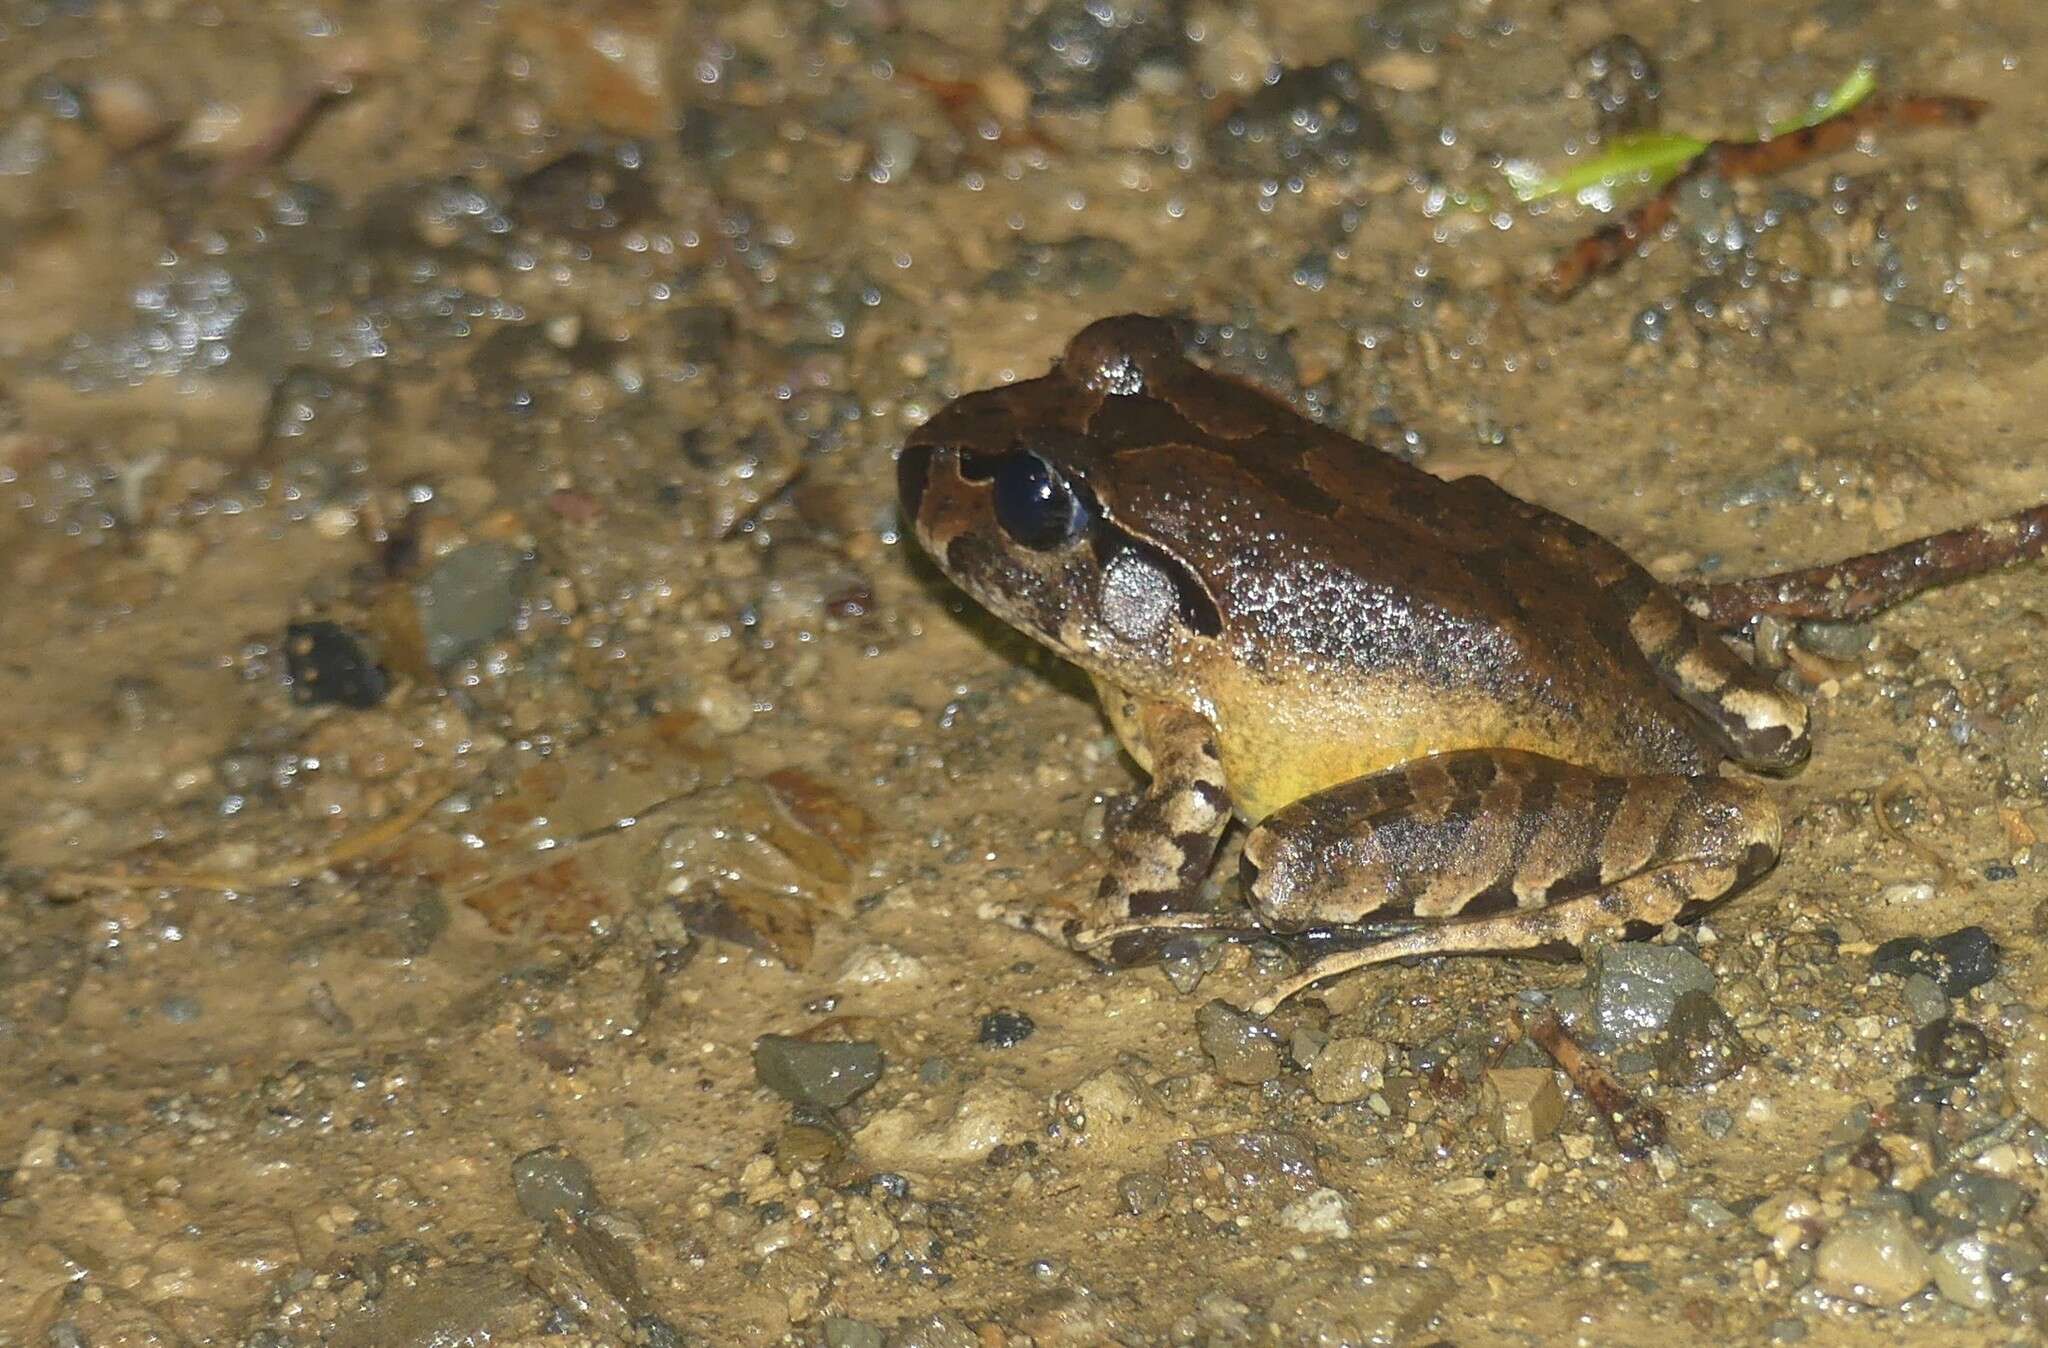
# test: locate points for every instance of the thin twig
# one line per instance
(372, 838)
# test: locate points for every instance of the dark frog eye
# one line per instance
(1034, 504)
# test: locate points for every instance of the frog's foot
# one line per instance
(1110, 940)
(1161, 846)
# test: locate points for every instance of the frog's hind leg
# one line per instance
(1499, 851)
(1757, 724)
(1655, 897)
(1761, 726)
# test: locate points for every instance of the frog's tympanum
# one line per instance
(1453, 720)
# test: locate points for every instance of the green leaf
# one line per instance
(1860, 84)
(1652, 158)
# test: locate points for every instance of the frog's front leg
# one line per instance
(1498, 850)
(1162, 846)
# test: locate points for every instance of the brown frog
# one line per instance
(1453, 720)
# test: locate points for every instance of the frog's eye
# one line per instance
(1034, 504)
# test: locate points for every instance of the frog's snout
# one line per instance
(913, 471)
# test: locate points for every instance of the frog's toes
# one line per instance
(1053, 921)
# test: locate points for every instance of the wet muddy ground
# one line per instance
(463, 683)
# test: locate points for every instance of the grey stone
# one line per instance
(1243, 1050)
(823, 1075)
(551, 1183)
(470, 597)
(1636, 986)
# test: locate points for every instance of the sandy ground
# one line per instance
(553, 357)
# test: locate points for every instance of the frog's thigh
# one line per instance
(1495, 850)
(1160, 851)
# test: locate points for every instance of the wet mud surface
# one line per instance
(493, 811)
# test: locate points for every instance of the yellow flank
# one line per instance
(1279, 743)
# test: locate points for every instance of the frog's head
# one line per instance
(1016, 492)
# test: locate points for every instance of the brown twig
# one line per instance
(1611, 245)
(1638, 1127)
(1857, 586)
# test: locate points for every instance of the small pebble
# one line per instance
(1700, 1044)
(326, 663)
(823, 1075)
(1305, 121)
(1951, 1049)
(469, 598)
(1709, 1214)
(1406, 71)
(1967, 1199)
(1973, 958)
(1925, 1001)
(841, 1332)
(1005, 1029)
(1141, 1193)
(551, 1183)
(1306, 1044)
(1521, 1104)
(1184, 960)
(941, 1330)
(128, 113)
(1623, 84)
(2026, 1063)
(1843, 641)
(1242, 1049)
(1872, 1257)
(1962, 1272)
(1320, 1212)
(1347, 1070)
(808, 1146)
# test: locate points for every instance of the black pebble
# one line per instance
(327, 664)
(891, 1184)
(1972, 956)
(1005, 1029)
(1960, 960)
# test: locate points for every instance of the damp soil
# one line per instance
(463, 681)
